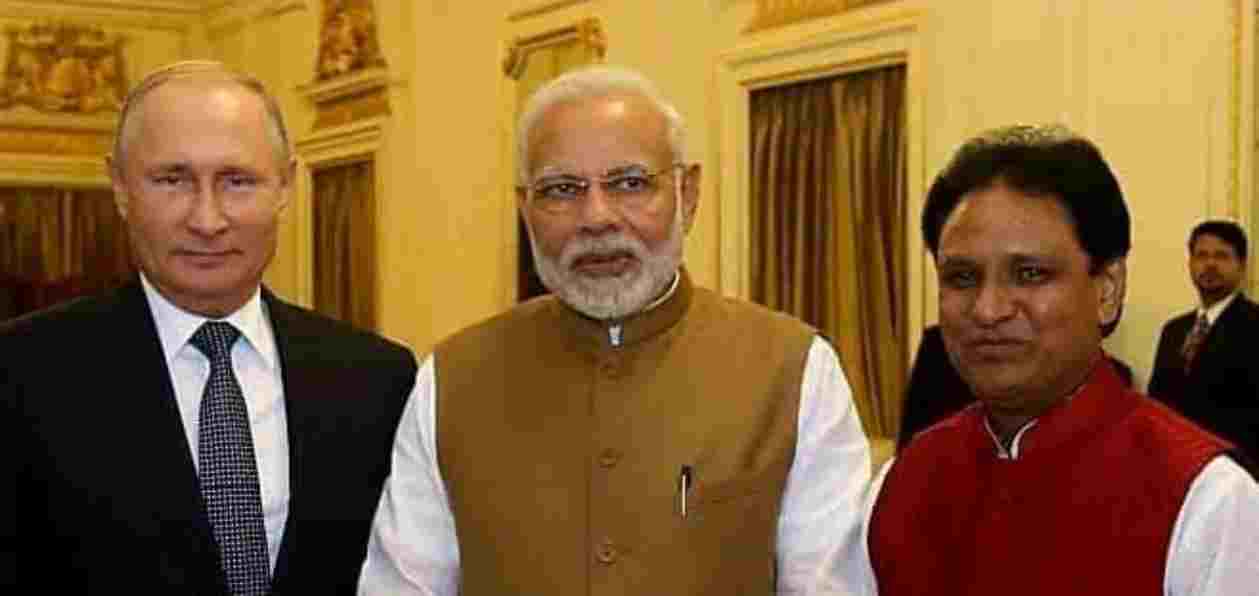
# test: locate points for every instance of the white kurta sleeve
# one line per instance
(822, 501)
(413, 548)
(1215, 543)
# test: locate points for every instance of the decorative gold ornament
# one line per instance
(63, 67)
(587, 32)
(347, 39)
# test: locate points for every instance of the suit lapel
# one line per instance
(291, 346)
(178, 500)
(1217, 338)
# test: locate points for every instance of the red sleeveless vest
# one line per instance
(1087, 508)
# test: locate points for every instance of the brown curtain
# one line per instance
(344, 223)
(543, 64)
(828, 223)
(56, 244)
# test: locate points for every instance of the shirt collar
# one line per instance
(1013, 451)
(175, 326)
(1100, 401)
(1213, 313)
(654, 319)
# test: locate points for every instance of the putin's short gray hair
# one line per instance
(205, 70)
(590, 83)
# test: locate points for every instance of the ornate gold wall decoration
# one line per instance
(63, 67)
(353, 108)
(588, 32)
(54, 142)
(776, 13)
(347, 39)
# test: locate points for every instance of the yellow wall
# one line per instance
(1155, 87)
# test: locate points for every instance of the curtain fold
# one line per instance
(828, 223)
(344, 223)
(56, 244)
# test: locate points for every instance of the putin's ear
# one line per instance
(1112, 285)
(288, 185)
(115, 182)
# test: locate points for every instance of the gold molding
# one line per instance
(179, 7)
(132, 15)
(358, 96)
(588, 32)
(227, 18)
(778, 13)
(352, 109)
(533, 8)
(353, 84)
(341, 144)
(44, 141)
(27, 170)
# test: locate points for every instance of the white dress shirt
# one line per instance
(256, 364)
(1213, 551)
(1213, 312)
(414, 549)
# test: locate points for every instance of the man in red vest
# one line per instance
(1059, 480)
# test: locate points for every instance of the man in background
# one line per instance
(1205, 364)
(190, 432)
(631, 433)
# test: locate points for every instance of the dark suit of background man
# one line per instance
(108, 483)
(1219, 386)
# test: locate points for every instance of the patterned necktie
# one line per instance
(229, 475)
(1193, 342)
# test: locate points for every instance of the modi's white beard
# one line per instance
(611, 297)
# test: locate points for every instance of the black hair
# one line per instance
(1225, 230)
(1045, 161)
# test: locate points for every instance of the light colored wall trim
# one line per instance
(226, 19)
(355, 83)
(358, 141)
(186, 7)
(882, 35)
(150, 15)
(47, 170)
(1244, 202)
(531, 8)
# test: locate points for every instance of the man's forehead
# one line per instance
(600, 126)
(172, 97)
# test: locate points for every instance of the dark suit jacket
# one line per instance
(1222, 390)
(98, 493)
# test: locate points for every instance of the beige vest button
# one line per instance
(610, 369)
(607, 552)
(609, 458)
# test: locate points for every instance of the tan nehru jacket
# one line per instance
(562, 452)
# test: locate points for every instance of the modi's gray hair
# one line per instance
(205, 70)
(590, 83)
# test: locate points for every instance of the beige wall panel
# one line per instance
(450, 220)
(1157, 91)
